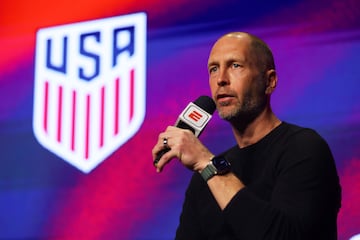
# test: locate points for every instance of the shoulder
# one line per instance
(295, 137)
(300, 147)
(301, 138)
(292, 130)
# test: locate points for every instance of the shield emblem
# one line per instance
(89, 95)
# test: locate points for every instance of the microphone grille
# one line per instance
(206, 103)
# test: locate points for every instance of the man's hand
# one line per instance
(183, 145)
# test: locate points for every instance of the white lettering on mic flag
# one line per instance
(89, 95)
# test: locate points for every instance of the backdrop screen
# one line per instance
(87, 86)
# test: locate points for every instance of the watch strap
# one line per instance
(209, 171)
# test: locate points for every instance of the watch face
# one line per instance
(221, 164)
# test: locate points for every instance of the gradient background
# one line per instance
(316, 45)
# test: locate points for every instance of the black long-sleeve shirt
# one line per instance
(292, 192)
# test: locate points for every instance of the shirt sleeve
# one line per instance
(304, 199)
(189, 227)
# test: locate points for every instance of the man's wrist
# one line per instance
(205, 164)
(216, 166)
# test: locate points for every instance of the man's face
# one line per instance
(237, 85)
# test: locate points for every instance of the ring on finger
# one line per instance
(165, 142)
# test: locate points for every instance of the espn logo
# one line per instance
(195, 117)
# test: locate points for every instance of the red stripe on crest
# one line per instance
(132, 97)
(73, 120)
(87, 126)
(102, 113)
(46, 105)
(117, 96)
(60, 99)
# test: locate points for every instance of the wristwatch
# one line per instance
(217, 166)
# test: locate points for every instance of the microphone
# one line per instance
(194, 117)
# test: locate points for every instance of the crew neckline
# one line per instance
(263, 139)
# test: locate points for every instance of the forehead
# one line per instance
(230, 47)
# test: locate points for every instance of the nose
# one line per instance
(223, 78)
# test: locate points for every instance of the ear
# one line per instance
(271, 81)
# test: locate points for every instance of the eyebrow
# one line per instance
(230, 60)
(212, 63)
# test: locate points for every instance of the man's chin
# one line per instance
(226, 115)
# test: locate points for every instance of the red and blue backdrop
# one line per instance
(316, 45)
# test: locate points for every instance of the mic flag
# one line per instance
(194, 117)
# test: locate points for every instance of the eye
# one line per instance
(213, 69)
(236, 65)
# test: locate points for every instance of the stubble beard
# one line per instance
(241, 113)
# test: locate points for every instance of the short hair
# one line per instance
(262, 52)
(259, 49)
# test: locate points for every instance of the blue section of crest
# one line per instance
(117, 48)
(62, 67)
(94, 57)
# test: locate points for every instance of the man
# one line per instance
(278, 182)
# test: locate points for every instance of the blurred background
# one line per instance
(316, 45)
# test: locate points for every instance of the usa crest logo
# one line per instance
(89, 95)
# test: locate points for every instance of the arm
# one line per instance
(301, 202)
(189, 227)
(224, 188)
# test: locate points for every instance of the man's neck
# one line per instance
(254, 131)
